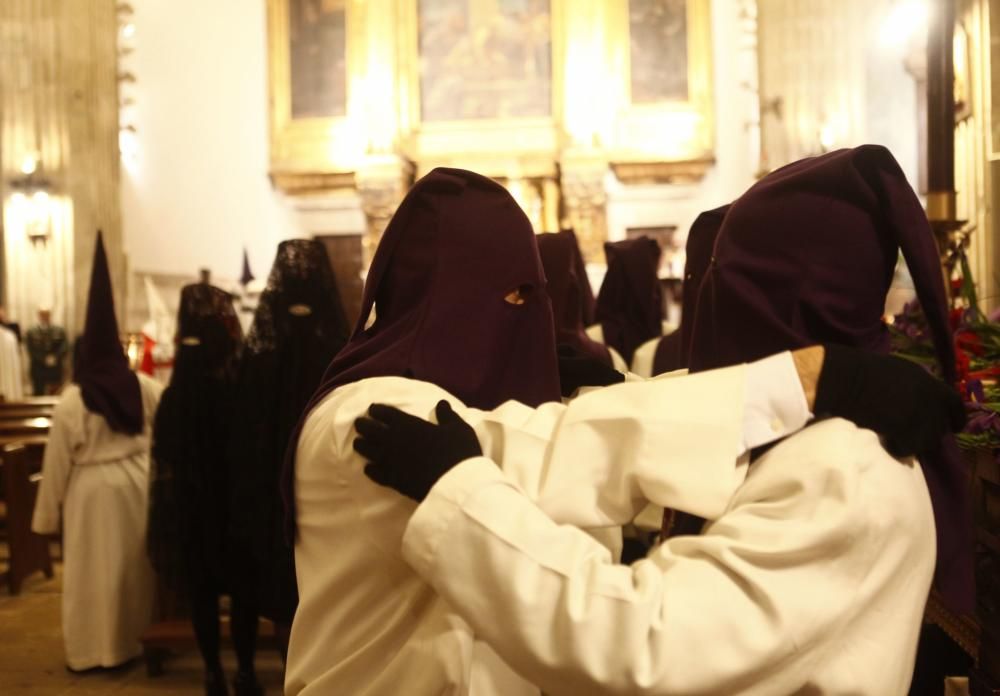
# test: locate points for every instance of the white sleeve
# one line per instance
(749, 606)
(676, 441)
(57, 465)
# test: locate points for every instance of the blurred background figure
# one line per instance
(298, 327)
(629, 309)
(47, 347)
(11, 376)
(189, 499)
(95, 488)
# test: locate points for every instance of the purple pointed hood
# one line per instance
(807, 256)
(456, 247)
(630, 302)
(108, 385)
(559, 254)
(674, 351)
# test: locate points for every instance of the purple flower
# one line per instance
(981, 420)
(974, 391)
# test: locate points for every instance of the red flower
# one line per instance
(955, 318)
(961, 364)
(969, 341)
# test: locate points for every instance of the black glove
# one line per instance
(409, 454)
(578, 370)
(896, 398)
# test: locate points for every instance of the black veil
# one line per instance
(189, 477)
(298, 327)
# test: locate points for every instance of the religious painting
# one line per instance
(317, 51)
(658, 46)
(484, 59)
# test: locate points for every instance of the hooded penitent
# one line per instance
(630, 303)
(673, 351)
(298, 327)
(189, 482)
(456, 248)
(580, 266)
(101, 369)
(559, 255)
(806, 256)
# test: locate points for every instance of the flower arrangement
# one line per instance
(977, 356)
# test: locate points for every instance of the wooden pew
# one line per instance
(21, 427)
(10, 410)
(49, 401)
(29, 552)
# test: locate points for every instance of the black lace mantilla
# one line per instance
(300, 278)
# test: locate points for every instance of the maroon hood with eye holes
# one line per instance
(457, 245)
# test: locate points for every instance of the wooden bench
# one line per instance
(29, 552)
(16, 411)
(24, 426)
(49, 401)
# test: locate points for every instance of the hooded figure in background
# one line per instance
(587, 301)
(629, 306)
(189, 491)
(461, 314)
(96, 477)
(566, 290)
(671, 352)
(298, 327)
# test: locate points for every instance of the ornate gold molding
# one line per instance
(585, 203)
(684, 172)
(304, 183)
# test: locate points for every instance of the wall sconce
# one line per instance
(32, 189)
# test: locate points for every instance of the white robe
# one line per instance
(811, 580)
(98, 480)
(11, 374)
(367, 624)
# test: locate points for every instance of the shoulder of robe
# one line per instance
(828, 459)
(340, 408)
(70, 406)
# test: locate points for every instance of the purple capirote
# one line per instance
(630, 302)
(456, 247)
(673, 352)
(566, 291)
(806, 256)
(108, 385)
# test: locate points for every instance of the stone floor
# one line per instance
(31, 653)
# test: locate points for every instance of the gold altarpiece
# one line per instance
(549, 97)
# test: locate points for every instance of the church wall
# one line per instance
(195, 191)
(736, 139)
(58, 106)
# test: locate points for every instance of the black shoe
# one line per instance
(215, 683)
(246, 684)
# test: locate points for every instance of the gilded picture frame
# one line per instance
(670, 131)
(304, 148)
(502, 146)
